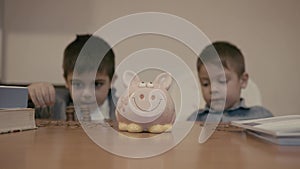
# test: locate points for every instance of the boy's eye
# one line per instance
(77, 84)
(205, 83)
(222, 81)
(99, 84)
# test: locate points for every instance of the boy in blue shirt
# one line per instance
(223, 93)
(85, 89)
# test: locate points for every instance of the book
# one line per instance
(286, 140)
(13, 97)
(17, 119)
(282, 130)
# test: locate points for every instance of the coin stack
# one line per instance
(70, 113)
(86, 116)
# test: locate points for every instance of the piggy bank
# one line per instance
(146, 106)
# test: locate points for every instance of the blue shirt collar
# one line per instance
(241, 105)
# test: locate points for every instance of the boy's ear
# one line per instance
(244, 80)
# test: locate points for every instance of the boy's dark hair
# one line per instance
(230, 56)
(92, 50)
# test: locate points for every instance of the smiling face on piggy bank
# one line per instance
(146, 106)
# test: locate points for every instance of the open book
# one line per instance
(283, 130)
(17, 119)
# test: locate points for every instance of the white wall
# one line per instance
(266, 31)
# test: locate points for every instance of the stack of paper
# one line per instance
(282, 130)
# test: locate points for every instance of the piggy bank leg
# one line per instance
(134, 128)
(167, 127)
(123, 126)
(160, 128)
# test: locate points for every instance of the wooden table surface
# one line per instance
(66, 147)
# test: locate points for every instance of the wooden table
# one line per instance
(65, 147)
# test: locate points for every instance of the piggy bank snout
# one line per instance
(147, 100)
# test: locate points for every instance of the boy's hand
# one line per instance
(42, 94)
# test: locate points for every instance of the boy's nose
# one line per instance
(218, 90)
(214, 88)
(88, 92)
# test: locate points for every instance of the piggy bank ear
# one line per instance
(163, 80)
(130, 78)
